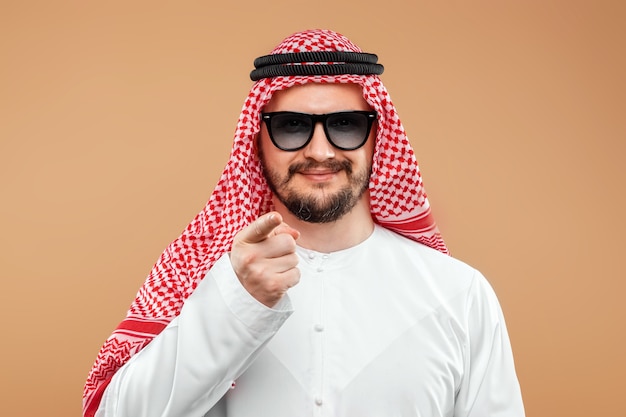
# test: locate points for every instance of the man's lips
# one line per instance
(319, 174)
(318, 171)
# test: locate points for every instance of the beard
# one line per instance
(311, 207)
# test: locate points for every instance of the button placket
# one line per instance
(317, 265)
(318, 329)
(322, 261)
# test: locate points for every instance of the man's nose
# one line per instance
(319, 148)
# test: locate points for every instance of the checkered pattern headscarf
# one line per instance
(398, 202)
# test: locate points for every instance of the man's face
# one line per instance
(318, 183)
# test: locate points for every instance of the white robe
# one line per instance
(389, 327)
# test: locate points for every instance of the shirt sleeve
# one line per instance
(191, 364)
(490, 387)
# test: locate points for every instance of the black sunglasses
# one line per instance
(346, 130)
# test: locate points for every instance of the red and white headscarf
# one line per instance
(397, 198)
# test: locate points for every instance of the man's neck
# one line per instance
(350, 230)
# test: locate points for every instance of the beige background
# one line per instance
(116, 120)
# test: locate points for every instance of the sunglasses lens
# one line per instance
(290, 130)
(347, 130)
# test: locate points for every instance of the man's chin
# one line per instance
(325, 208)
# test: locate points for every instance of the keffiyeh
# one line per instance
(398, 202)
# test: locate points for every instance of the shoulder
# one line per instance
(406, 251)
(437, 270)
(427, 266)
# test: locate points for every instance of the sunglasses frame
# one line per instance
(320, 118)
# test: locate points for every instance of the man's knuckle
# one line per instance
(269, 287)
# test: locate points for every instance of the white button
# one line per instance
(325, 256)
(320, 269)
(318, 401)
(311, 255)
(318, 327)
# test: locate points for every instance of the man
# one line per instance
(315, 281)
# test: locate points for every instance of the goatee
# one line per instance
(311, 207)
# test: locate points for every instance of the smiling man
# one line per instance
(315, 281)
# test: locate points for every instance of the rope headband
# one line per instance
(316, 63)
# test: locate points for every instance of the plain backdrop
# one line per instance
(116, 120)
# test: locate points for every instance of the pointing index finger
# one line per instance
(261, 228)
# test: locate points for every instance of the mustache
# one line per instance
(332, 165)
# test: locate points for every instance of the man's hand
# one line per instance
(264, 258)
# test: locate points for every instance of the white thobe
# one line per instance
(387, 328)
